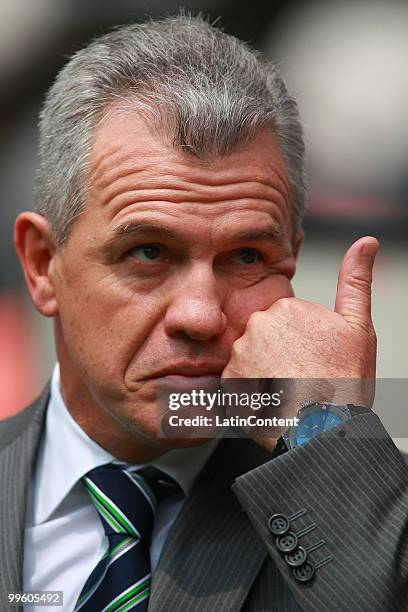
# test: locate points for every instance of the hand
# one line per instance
(297, 339)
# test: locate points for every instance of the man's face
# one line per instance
(163, 269)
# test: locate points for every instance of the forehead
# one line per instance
(133, 166)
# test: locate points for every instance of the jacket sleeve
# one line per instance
(346, 492)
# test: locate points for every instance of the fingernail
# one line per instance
(370, 249)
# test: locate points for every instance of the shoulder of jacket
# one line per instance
(29, 417)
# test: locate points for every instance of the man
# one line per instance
(168, 226)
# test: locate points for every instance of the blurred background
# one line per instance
(346, 63)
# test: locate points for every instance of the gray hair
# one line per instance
(209, 91)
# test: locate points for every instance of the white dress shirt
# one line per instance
(64, 536)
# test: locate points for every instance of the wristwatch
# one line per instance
(313, 419)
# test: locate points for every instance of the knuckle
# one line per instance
(285, 302)
(294, 304)
(256, 318)
(284, 306)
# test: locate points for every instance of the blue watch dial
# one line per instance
(314, 424)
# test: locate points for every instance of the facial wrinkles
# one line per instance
(118, 183)
(241, 224)
(136, 176)
(116, 160)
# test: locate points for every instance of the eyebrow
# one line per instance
(271, 233)
(138, 228)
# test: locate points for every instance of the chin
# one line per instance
(185, 442)
(160, 440)
(147, 426)
(148, 432)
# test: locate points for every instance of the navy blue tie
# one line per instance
(126, 502)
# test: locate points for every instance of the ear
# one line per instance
(300, 235)
(35, 249)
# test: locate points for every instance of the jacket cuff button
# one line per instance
(304, 573)
(297, 557)
(278, 524)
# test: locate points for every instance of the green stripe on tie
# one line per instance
(107, 516)
(122, 599)
(134, 601)
(113, 554)
(110, 506)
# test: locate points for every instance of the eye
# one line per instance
(148, 253)
(249, 256)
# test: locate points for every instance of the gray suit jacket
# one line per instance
(221, 556)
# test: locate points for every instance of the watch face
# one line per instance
(314, 424)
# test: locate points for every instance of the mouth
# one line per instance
(190, 369)
(189, 375)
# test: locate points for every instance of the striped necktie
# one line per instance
(126, 503)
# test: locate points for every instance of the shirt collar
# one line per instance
(67, 453)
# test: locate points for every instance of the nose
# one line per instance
(196, 306)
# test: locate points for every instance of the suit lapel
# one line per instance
(19, 437)
(212, 554)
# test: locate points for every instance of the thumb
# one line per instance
(353, 299)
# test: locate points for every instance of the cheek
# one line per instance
(241, 304)
(105, 325)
